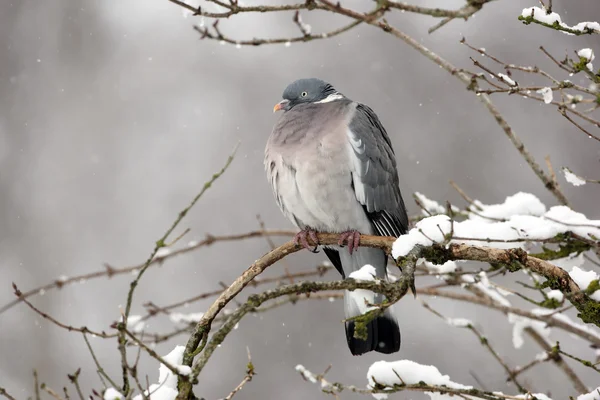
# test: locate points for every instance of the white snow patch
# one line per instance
(135, 323)
(445, 268)
(390, 373)
(593, 395)
(362, 297)
(484, 285)
(306, 374)
(459, 322)
(366, 273)
(582, 26)
(556, 295)
(507, 79)
(430, 205)
(112, 394)
(518, 204)
(426, 232)
(546, 93)
(306, 28)
(519, 325)
(573, 221)
(186, 318)
(162, 252)
(583, 279)
(572, 178)
(166, 388)
(587, 54)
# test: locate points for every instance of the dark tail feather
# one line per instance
(383, 336)
(388, 335)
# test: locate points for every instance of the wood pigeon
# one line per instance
(331, 165)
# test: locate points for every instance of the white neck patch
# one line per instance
(331, 97)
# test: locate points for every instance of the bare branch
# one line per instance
(205, 33)
(99, 368)
(586, 30)
(336, 387)
(249, 375)
(109, 271)
(563, 112)
(485, 342)
(4, 393)
(160, 243)
(69, 328)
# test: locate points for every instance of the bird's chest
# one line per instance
(315, 186)
(323, 159)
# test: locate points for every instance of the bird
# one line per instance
(332, 169)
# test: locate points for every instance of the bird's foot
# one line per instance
(301, 238)
(351, 238)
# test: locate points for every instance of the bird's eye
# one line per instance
(304, 94)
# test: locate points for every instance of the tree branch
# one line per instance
(514, 259)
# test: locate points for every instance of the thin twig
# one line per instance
(99, 369)
(74, 378)
(249, 375)
(36, 385)
(160, 243)
(69, 328)
(154, 354)
(110, 271)
(563, 112)
(4, 393)
(485, 342)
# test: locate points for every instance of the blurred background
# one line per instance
(113, 114)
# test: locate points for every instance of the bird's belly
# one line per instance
(325, 191)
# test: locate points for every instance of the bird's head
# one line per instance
(310, 90)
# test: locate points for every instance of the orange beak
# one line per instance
(281, 105)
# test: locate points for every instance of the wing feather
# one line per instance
(374, 173)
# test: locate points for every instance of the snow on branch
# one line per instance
(166, 388)
(545, 17)
(522, 218)
(571, 94)
(576, 180)
(387, 377)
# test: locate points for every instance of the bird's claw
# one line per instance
(301, 238)
(351, 238)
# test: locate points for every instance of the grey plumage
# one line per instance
(332, 169)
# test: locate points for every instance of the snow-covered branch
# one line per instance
(550, 19)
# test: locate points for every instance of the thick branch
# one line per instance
(513, 258)
(392, 291)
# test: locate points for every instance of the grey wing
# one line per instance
(374, 173)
